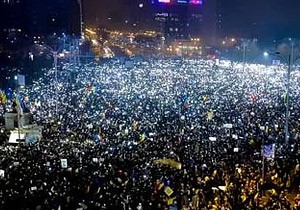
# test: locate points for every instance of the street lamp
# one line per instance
(287, 108)
(244, 44)
(290, 60)
(56, 55)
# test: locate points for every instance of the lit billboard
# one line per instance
(176, 2)
(164, 1)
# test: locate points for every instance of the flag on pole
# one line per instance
(19, 103)
(268, 151)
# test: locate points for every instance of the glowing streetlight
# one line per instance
(289, 60)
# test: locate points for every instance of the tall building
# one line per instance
(178, 18)
(11, 18)
(52, 16)
(39, 17)
(219, 17)
(212, 24)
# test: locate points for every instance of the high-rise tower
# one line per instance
(40, 18)
(178, 18)
(52, 16)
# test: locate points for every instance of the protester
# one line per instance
(165, 134)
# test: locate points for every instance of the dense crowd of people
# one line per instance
(165, 134)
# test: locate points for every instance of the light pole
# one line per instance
(55, 56)
(287, 107)
(80, 16)
(244, 55)
(290, 60)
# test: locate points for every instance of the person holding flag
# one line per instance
(19, 104)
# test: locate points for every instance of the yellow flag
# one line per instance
(210, 115)
(170, 201)
(142, 137)
(267, 129)
(169, 162)
(168, 191)
(160, 186)
(243, 197)
(204, 98)
(3, 98)
(276, 128)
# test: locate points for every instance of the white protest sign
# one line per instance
(64, 163)
(227, 125)
(33, 188)
(223, 188)
(213, 138)
(2, 172)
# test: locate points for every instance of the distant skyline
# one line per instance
(252, 18)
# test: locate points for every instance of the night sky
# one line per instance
(262, 17)
(100, 10)
(241, 17)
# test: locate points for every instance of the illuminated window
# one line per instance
(10, 1)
